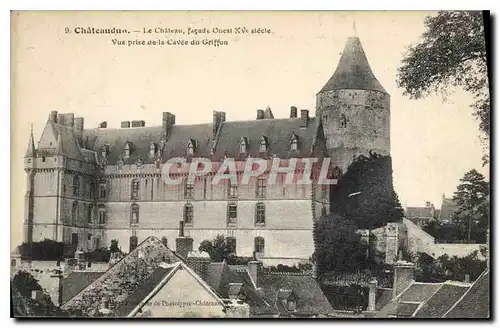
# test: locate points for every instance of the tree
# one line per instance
(338, 246)
(114, 248)
(472, 198)
(452, 53)
(365, 193)
(218, 249)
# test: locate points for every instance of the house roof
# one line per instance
(279, 133)
(449, 299)
(123, 278)
(353, 70)
(310, 299)
(76, 281)
(475, 303)
(419, 212)
(448, 208)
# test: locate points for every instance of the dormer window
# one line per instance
(104, 151)
(243, 145)
(263, 145)
(191, 147)
(294, 144)
(127, 150)
(152, 150)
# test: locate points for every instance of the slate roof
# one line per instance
(441, 301)
(143, 291)
(279, 132)
(66, 142)
(353, 70)
(123, 278)
(76, 281)
(475, 303)
(310, 298)
(448, 208)
(419, 212)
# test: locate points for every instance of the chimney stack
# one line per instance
(254, 270)
(260, 114)
(103, 125)
(403, 276)
(372, 295)
(218, 119)
(293, 112)
(138, 124)
(53, 116)
(125, 124)
(427, 204)
(183, 244)
(304, 116)
(167, 122)
(199, 262)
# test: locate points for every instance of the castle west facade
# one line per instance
(86, 187)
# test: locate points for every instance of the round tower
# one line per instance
(354, 108)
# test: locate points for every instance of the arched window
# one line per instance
(135, 188)
(74, 212)
(76, 185)
(263, 145)
(232, 213)
(190, 148)
(152, 150)
(232, 190)
(102, 215)
(127, 150)
(243, 145)
(259, 245)
(343, 121)
(188, 214)
(90, 210)
(260, 214)
(134, 214)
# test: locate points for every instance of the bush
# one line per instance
(47, 250)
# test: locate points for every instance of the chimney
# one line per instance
(260, 114)
(183, 244)
(293, 112)
(103, 125)
(403, 276)
(218, 119)
(268, 114)
(79, 125)
(427, 204)
(167, 122)
(138, 124)
(60, 118)
(304, 116)
(254, 270)
(125, 124)
(372, 295)
(69, 119)
(199, 262)
(53, 116)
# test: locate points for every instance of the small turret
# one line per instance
(31, 151)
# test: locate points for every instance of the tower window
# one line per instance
(232, 213)
(74, 212)
(102, 188)
(134, 214)
(261, 187)
(190, 148)
(152, 150)
(76, 185)
(260, 214)
(263, 145)
(343, 121)
(102, 215)
(243, 145)
(135, 189)
(293, 146)
(89, 212)
(188, 214)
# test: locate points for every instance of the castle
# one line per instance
(87, 187)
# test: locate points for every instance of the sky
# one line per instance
(433, 142)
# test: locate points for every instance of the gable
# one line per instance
(182, 296)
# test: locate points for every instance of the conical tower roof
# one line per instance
(353, 70)
(30, 152)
